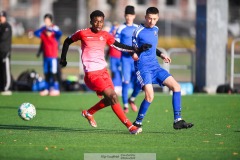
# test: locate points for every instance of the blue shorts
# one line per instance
(156, 76)
(50, 65)
(128, 69)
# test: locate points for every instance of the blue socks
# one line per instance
(142, 111)
(125, 92)
(176, 103)
(136, 90)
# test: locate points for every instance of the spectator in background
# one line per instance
(50, 35)
(5, 54)
(115, 63)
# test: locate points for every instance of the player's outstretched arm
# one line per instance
(66, 44)
(164, 57)
(130, 49)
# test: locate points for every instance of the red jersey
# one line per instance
(92, 45)
(50, 45)
(113, 52)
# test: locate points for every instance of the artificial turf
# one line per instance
(60, 132)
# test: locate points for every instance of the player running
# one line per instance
(150, 72)
(97, 78)
(124, 35)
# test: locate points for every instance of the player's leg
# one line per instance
(54, 85)
(136, 90)
(2, 68)
(173, 85)
(95, 82)
(5, 76)
(88, 114)
(47, 75)
(115, 67)
(126, 73)
(149, 95)
(111, 95)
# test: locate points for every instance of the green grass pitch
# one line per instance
(60, 132)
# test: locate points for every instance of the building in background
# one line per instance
(177, 17)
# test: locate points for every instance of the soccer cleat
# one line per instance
(6, 93)
(125, 110)
(137, 124)
(44, 92)
(90, 118)
(182, 124)
(134, 130)
(133, 105)
(54, 92)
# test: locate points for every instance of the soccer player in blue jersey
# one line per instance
(124, 35)
(150, 72)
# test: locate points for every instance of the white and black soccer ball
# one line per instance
(27, 111)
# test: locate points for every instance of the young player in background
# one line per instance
(115, 63)
(150, 72)
(124, 35)
(97, 78)
(50, 35)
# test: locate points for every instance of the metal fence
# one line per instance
(23, 58)
(234, 56)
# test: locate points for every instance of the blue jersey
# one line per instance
(124, 35)
(147, 59)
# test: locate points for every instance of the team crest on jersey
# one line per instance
(155, 33)
(101, 38)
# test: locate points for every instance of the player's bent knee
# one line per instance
(176, 87)
(149, 98)
(114, 98)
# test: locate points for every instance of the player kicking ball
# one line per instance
(97, 78)
(150, 72)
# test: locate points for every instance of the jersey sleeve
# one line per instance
(134, 40)
(118, 35)
(76, 36)
(110, 39)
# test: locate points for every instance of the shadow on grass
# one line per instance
(44, 109)
(80, 130)
(59, 129)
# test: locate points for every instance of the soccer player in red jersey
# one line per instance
(97, 78)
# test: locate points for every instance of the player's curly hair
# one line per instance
(96, 13)
(152, 10)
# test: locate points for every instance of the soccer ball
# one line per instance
(27, 111)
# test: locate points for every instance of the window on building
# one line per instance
(23, 2)
(170, 2)
(141, 2)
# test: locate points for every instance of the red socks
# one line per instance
(116, 109)
(96, 107)
(120, 114)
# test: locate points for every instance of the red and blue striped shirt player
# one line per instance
(50, 35)
(150, 72)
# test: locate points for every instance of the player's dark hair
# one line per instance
(48, 15)
(129, 10)
(152, 10)
(96, 13)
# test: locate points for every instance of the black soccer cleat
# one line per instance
(182, 124)
(137, 124)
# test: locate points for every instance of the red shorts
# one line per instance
(98, 81)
